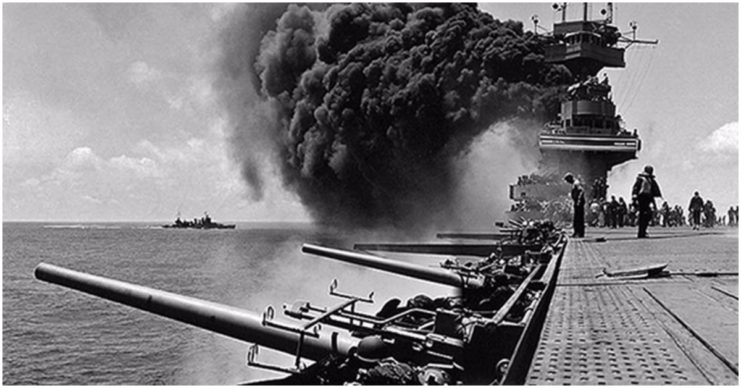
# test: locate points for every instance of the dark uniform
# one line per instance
(577, 195)
(644, 191)
(622, 212)
(696, 207)
(614, 209)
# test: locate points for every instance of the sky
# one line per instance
(109, 113)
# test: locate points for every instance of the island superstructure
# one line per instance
(588, 137)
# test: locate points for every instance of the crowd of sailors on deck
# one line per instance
(642, 210)
(603, 211)
(617, 213)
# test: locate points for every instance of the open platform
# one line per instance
(676, 329)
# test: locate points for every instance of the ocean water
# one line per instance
(56, 336)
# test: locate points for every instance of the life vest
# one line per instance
(646, 188)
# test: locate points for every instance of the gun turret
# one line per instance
(435, 275)
(229, 321)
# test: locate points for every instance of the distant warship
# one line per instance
(204, 222)
(587, 138)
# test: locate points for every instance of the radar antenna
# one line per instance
(632, 40)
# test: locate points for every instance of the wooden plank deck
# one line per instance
(677, 329)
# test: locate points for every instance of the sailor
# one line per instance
(577, 195)
(622, 212)
(696, 207)
(731, 220)
(644, 191)
(680, 215)
(709, 210)
(594, 209)
(613, 209)
(666, 214)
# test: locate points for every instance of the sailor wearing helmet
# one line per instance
(644, 191)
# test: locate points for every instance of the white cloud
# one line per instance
(195, 144)
(183, 155)
(722, 140)
(140, 73)
(147, 147)
(80, 160)
(84, 170)
(142, 167)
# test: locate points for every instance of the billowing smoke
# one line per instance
(364, 110)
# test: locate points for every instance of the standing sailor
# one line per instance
(577, 195)
(696, 207)
(644, 191)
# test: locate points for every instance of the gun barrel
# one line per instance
(230, 321)
(435, 275)
(475, 236)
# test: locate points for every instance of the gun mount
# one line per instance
(481, 335)
(484, 285)
(500, 309)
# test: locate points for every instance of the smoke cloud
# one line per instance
(366, 110)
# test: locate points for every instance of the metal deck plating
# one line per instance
(679, 329)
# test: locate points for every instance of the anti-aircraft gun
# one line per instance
(230, 321)
(481, 335)
(360, 348)
(501, 304)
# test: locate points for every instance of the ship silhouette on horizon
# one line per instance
(204, 222)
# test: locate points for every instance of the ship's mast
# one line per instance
(585, 11)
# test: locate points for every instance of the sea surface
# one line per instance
(56, 336)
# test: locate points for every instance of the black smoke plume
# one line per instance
(364, 109)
